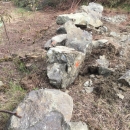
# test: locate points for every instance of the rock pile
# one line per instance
(49, 109)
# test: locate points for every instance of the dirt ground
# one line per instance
(23, 68)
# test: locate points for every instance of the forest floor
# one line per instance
(23, 68)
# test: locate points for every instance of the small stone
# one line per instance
(78, 125)
(89, 89)
(92, 76)
(105, 71)
(1, 83)
(120, 96)
(88, 83)
(98, 43)
(103, 62)
(114, 34)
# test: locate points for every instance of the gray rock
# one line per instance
(78, 126)
(101, 67)
(78, 39)
(38, 111)
(103, 61)
(59, 38)
(125, 38)
(89, 89)
(61, 30)
(98, 43)
(79, 19)
(52, 120)
(82, 46)
(105, 71)
(63, 65)
(75, 38)
(90, 15)
(61, 19)
(94, 9)
(75, 33)
(56, 40)
(125, 79)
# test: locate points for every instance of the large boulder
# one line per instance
(64, 62)
(44, 109)
(78, 39)
(93, 9)
(75, 38)
(63, 65)
(90, 15)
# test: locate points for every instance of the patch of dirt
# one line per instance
(28, 32)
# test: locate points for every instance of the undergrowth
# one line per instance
(11, 98)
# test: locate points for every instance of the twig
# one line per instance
(6, 33)
(11, 113)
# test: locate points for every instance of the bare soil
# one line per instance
(28, 32)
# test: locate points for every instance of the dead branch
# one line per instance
(6, 32)
(11, 113)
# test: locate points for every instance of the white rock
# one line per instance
(120, 96)
(78, 126)
(89, 89)
(98, 43)
(1, 83)
(88, 83)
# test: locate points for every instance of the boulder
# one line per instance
(125, 79)
(93, 9)
(44, 109)
(90, 15)
(78, 125)
(80, 19)
(65, 61)
(78, 39)
(75, 33)
(63, 65)
(75, 38)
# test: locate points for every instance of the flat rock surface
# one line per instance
(35, 107)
